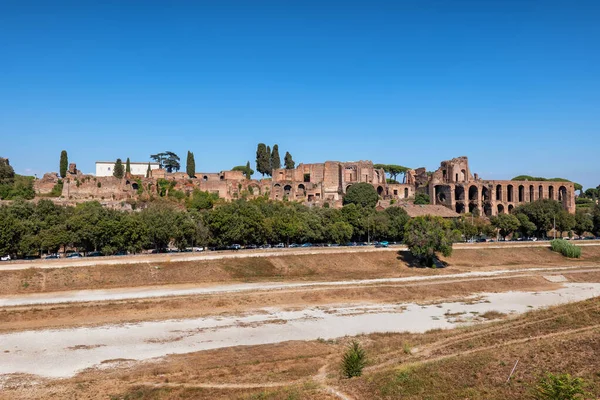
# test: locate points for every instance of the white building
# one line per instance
(105, 168)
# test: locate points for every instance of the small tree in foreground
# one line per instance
(354, 360)
(559, 387)
(427, 235)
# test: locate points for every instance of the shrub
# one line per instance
(565, 248)
(559, 387)
(354, 360)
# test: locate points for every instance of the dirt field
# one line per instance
(380, 264)
(471, 362)
(463, 363)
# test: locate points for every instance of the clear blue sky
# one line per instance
(512, 84)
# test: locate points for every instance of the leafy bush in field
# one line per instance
(559, 387)
(354, 360)
(565, 248)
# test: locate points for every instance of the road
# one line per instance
(220, 255)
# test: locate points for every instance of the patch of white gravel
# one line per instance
(59, 353)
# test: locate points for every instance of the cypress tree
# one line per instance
(249, 171)
(64, 163)
(268, 169)
(118, 170)
(127, 167)
(275, 159)
(288, 161)
(262, 159)
(148, 171)
(190, 166)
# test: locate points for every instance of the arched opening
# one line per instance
(473, 193)
(500, 209)
(509, 193)
(222, 177)
(521, 193)
(459, 193)
(540, 192)
(510, 208)
(531, 193)
(460, 208)
(498, 192)
(406, 193)
(487, 209)
(204, 178)
(456, 178)
(485, 193)
(347, 187)
(551, 192)
(473, 209)
(135, 186)
(562, 196)
(287, 190)
(301, 190)
(440, 194)
(380, 190)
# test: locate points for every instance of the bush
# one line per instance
(361, 194)
(565, 248)
(422, 198)
(354, 360)
(559, 387)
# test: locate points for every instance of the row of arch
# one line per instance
(473, 194)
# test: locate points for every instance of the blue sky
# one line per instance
(513, 84)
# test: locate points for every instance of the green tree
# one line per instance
(262, 159)
(289, 161)
(428, 235)
(64, 163)
(559, 387)
(526, 227)
(128, 167)
(269, 168)
(584, 222)
(275, 159)
(422, 198)
(541, 213)
(565, 222)
(200, 200)
(354, 360)
(171, 162)
(506, 224)
(362, 194)
(249, 171)
(118, 171)
(596, 219)
(397, 223)
(190, 165)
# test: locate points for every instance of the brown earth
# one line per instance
(463, 363)
(315, 267)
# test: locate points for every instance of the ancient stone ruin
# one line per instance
(453, 186)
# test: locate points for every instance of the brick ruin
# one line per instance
(452, 185)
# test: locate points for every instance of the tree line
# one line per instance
(268, 160)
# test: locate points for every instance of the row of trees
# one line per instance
(268, 160)
(393, 170)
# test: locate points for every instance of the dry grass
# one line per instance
(315, 267)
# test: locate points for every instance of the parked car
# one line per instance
(265, 246)
(279, 246)
(74, 255)
(235, 247)
(5, 258)
(251, 247)
(383, 244)
(95, 254)
(197, 249)
(293, 245)
(52, 256)
(306, 245)
(121, 253)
